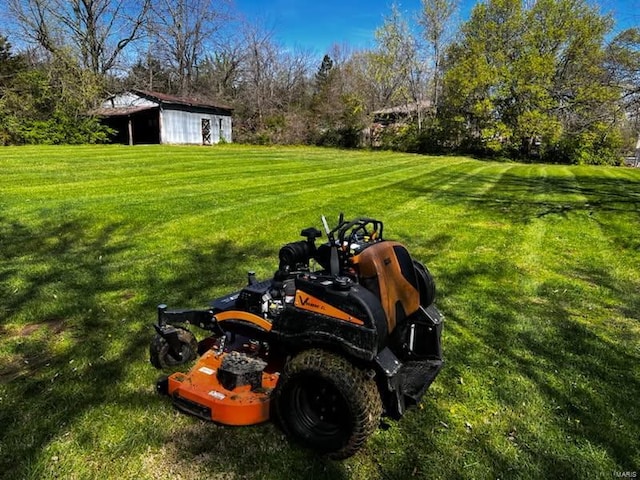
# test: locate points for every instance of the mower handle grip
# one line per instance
(342, 228)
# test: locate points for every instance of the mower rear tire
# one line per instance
(327, 404)
(426, 284)
(159, 351)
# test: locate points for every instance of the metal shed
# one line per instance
(143, 117)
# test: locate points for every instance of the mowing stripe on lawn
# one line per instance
(536, 270)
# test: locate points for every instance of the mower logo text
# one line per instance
(308, 302)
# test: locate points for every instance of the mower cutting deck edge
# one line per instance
(326, 351)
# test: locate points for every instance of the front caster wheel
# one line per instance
(327, 404)
(161, 355)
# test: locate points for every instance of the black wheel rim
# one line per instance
(185, 353)
(319, 413)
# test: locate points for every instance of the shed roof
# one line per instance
(191, 102)
(403, 109)
(120, 111)
(157, 99)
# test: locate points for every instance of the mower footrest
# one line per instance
(416, 377)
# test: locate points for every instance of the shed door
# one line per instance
(206, 131)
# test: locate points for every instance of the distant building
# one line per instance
(390, 120)
(401, 114)
(143, 117)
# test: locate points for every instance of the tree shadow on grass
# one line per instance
(584, 378)
(75, 331)
(260, 452)
(587, 371)
(55, 332)
(521, 198)
(584, 370)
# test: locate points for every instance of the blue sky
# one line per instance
(318, 24)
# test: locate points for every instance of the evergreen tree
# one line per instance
(10, 64)
(322, 75)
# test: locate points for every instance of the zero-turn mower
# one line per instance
(343, 333)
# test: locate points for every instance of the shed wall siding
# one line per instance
(180, 127)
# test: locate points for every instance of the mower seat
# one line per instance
(387, 270)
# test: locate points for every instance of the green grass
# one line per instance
(538, 277)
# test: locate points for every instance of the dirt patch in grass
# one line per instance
(11, 371)
(17, 365)
(175, 460)
(55, 325)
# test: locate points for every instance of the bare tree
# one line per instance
(220, 72)
(436, 18)
(94, 31)
(390, 63)
(183, 33)
(258, 73)
(292, 76)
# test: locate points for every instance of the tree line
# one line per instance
(538, 80)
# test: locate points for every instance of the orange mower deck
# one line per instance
(201, 392)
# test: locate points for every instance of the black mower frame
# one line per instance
(402, 358)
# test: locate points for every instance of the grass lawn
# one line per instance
(538, 274)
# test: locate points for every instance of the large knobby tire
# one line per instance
(159, 352)
(327, 404)
(426, 284)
